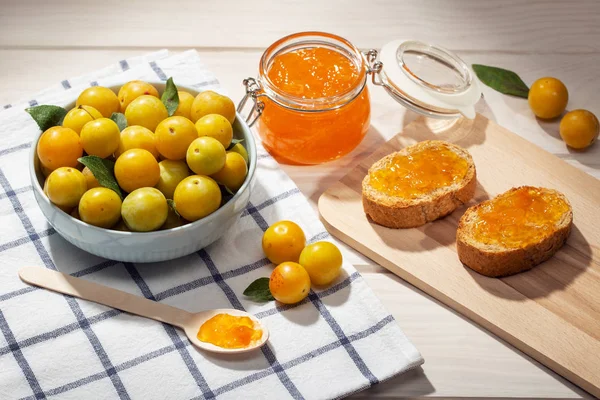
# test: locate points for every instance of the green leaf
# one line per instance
(259, 290)
(109, 164)
(234, 141)
(47, 116)
(170, 97)
(120, 120)
(103, 171)
(502, 80)
(171, 204)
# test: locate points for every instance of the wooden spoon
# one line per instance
(190, 323)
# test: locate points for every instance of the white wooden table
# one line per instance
(42, 42)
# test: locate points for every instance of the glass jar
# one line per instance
(311, 100)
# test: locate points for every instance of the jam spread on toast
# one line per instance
(519, 218)
(419, 173)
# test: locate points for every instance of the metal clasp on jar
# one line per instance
(254, 91)
(379, 78)
(375, 68)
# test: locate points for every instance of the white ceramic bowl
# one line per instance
(148, 246)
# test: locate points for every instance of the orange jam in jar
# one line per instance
(316, 102)
(519, 217)
(419, 173)
(229, 331)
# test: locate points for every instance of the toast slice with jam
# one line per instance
(514, 231)
(418, 184)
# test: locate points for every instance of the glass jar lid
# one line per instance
(426, 79)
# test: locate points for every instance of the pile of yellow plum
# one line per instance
(144, 168)
(548, 98)
(298, 265)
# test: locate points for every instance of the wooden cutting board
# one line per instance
(552, 312)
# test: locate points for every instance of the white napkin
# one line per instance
(338, 341)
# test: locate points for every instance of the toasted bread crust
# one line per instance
(495, 261)
(394, 212)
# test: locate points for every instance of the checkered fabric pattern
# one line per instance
(336, 342)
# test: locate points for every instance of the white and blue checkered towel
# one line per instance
(336, 342)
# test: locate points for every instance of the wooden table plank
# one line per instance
(511, 25)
